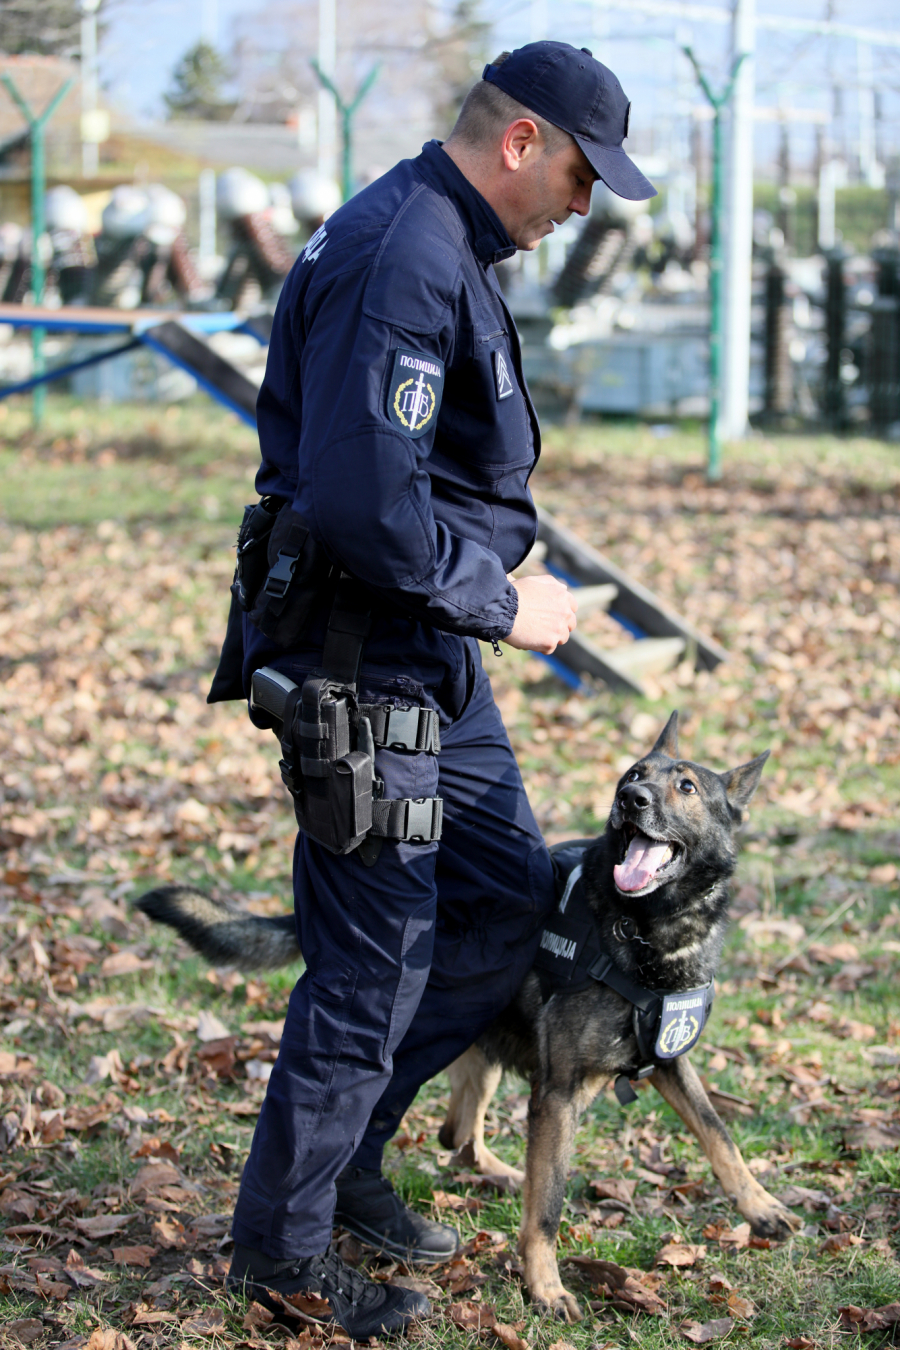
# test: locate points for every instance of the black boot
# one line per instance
(363, 1307)
(369, 1208)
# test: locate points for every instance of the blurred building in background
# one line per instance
(221, 111)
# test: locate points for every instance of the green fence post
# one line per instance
(348, 112)
(36, 126)
(717, 103)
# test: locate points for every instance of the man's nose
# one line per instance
(581, 202)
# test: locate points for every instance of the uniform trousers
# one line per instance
(407, 962)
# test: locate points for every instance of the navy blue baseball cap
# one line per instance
(579, 95)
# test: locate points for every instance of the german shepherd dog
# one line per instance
(656, 882)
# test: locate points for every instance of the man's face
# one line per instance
(548, 188)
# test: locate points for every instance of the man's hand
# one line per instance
(546, 614)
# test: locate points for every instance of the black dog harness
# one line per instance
(570, 958)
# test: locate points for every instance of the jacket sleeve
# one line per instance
(364, 486)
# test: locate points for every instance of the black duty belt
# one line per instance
(666, 1022)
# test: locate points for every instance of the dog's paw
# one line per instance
(558, 1302)
(775, 1222)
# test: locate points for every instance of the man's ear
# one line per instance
(520, 139)
(667, 740)
(741, 783)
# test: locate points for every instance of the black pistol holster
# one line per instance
(328, 741)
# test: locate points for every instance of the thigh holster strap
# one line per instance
(403, 728)
(417, 819)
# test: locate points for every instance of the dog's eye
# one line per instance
(632, 776)
(687, 786)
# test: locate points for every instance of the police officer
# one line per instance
(395, 420)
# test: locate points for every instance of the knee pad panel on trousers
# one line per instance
(416, 954)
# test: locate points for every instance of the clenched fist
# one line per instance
(546, 614)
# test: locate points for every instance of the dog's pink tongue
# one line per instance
(641, 863)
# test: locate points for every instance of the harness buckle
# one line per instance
(599, 967)
(280, 575)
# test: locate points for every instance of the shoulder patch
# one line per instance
(414, 392)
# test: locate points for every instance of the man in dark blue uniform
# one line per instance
(395, 420)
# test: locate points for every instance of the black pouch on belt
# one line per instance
(298, 570)
(249, 574)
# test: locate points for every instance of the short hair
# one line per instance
(488, 110)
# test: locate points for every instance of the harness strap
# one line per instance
(348, 628)
(604, 971)
(410, 818)
(403, 728)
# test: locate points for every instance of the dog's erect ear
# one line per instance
(741, 783)
(667, 740)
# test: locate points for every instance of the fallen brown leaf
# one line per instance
(870, 1319)
(205, 1324)
(799, 1343)
(80, 1274)
(615, 1188)
(445, 1200)
(680, 1254)
(169, 1233)
(106, 1338)
(125, 962)
(145, 1316)
(864, 1138)
(103, 1225)
(625, 1287)
(257, 1316)
(140, 1255)
(702, 1332)
(509, 1337)
(157, 1148)
(152, 1177)
(839, 1242)
(472, 1316)
(306, 1306)
(486, 1181)
(741, 1307)
(24, 1330)
(729, 1237)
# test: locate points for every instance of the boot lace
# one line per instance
(339, 1278)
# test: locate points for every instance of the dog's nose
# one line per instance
(635, 795)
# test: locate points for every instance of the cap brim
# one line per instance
(620, 174)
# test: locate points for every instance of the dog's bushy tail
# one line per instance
(221, 931)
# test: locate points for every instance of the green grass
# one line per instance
(116, 565)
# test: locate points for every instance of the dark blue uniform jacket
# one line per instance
(394, 412)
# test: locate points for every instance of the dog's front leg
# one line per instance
(678, 1082)
(552, 1116)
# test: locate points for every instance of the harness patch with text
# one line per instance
(505, 385)
(414, 392)
(560, 946)
(683, 1018)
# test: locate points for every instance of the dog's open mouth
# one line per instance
(646, 860)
